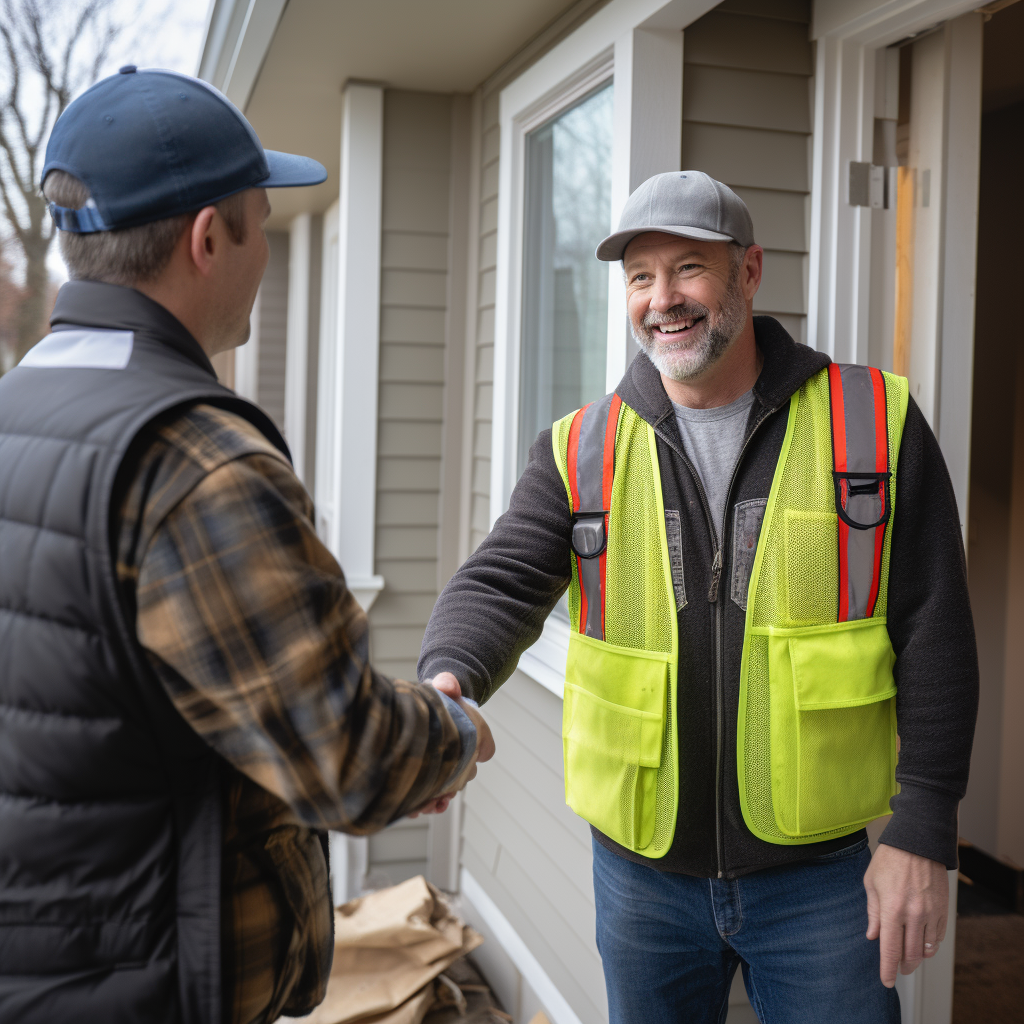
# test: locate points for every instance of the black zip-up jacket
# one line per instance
(495, 606)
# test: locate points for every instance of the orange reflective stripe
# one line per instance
(591, 469)
(860, 455)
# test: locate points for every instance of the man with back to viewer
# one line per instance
(765, 574)
(186, 701)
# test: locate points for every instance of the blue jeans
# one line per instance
(670, 944)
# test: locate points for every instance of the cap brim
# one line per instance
(613, 247)
(288, 170)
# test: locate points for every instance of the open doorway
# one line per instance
(990, 942)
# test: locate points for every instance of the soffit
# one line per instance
(441, 46)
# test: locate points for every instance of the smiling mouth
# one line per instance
(678, 328)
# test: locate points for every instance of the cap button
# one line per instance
(128, 69)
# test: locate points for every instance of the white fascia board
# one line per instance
(882, 21)
(238, 36)
(254, 40)
(556, 1006)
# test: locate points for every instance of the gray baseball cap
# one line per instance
(690, 204)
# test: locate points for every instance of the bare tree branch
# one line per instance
(49, 51)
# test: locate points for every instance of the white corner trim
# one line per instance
(555, 1004)
(349, 398)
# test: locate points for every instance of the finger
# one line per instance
(890, 951)
(485, 746)
(931, 938)
(447, 684)
(913, 946)
(874, 916)
(940, 930)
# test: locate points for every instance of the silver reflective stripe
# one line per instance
(590, 488)
(86, 350)
(859, 410)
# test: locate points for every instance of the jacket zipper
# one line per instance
(716, 576)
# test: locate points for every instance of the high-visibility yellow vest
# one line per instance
(816, 736)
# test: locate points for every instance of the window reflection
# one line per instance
(565, 288)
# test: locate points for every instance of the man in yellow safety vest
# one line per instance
(766, 581)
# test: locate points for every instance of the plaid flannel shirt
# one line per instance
(245, 618)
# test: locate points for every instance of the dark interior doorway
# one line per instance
(989, 980)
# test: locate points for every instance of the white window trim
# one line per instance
(639, 45)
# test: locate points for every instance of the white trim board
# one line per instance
(348, 380)
(555, 1004)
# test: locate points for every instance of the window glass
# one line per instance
(565, 288)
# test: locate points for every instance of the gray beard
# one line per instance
(717, 331)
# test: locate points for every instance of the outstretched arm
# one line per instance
(494, 607)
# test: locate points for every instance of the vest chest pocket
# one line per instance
(613, 725)
(833, 724)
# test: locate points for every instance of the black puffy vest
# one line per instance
(110, 825)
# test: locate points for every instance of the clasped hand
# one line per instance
(449, 686)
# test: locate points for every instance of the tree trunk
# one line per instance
(33, 313)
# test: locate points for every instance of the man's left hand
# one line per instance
(908, 903)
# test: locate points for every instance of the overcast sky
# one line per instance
(168, 35)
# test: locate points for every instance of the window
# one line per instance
(565, 288)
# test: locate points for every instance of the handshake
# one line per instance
(449, 686)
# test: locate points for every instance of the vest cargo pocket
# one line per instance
(613, 724)
(833, 725)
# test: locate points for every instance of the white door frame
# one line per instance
(849, 35)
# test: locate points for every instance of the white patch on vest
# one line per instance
(84, 350)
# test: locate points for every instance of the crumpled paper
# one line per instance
(389, 946)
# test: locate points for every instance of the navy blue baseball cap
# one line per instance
(150, 144)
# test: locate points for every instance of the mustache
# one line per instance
(683, 311)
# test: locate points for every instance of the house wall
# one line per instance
(414, 253)
(483, 364)
(273, 329)
(747, 121)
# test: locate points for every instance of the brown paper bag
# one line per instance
(388, 946)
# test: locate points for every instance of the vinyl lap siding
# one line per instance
(747, 121)
(414, 247)
(483, 369)
(528, 850)
(273, 328)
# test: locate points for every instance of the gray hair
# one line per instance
(127, 256)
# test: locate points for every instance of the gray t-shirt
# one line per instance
(712, 439)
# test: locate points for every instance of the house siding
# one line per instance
(747, 121)
(273, 329)
(414, 255)
(483, 363)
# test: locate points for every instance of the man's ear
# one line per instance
(750, 275)
(202, 241)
